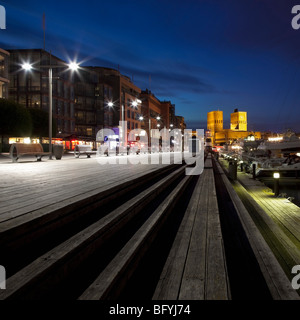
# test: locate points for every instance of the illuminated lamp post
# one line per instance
(142, 118)
(135, 105)
(276, 176)
(73, 66)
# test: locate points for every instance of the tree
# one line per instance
(15, 120)
(40, 123)
(18, 121)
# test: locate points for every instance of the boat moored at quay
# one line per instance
(277, 154)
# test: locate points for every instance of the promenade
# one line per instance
(277, 218)
(78, 229)
(31, 189)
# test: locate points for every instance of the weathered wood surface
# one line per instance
(29, 190)
(121, 268)
(283, 212)
(48, 269)
(265, 235)
(196, 267)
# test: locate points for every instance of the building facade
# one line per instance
(158, 114)
(91, 108)
(83, 102)
(238, 128)
(238, 121)
(215, 121)
(150, 112)
(122, 104)
(31, 88)
(180, 123)
(4, 78)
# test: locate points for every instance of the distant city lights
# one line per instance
(274, 139)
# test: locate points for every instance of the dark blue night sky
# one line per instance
(202, 55)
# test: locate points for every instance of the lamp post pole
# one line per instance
(276, 176)
(123, 127)
(149, 134)
(72, 66)
(50, 113)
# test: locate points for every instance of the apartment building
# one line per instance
(30, 88)
(4, 79)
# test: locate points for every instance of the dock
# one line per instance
(144, 232)
(277, 218)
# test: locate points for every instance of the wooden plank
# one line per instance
(62, 207)
(168, 286)
(285, 214)
(113, 276)
(54, 193)
(193, 280)
(277, 281)
(83, 243)
(196, 266)
(217, 285)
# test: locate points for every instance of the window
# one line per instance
(128, 114)
(15, 81)
(89, 131)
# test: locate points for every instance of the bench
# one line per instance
(18, 150)
(83, 149)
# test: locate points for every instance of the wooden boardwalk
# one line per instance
(30, 189)
(39, 201)
(196, 266)
(278, 219)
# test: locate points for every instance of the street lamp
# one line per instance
(27, 66)
(276, 176)
(134, 104)
(73, 66)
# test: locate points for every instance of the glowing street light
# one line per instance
(276, 176)
(27, 66)
(110, 104)
(72, 66)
